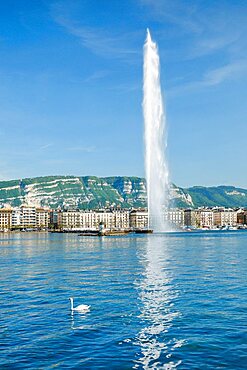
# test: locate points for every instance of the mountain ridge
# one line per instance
(88, 192)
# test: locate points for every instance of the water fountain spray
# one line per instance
(155, 138)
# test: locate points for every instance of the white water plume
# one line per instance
(155, 138)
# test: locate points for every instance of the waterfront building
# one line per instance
(5, 219)
(139, 219)
(75, 219)
(106, 218)
(205, 218)
(245, 217)
(22, 217)
(53, 218)
(242, 217)
(16, 218)
(80, 219)
(121, 218)
(191, 218)
(225, 217)
(28, 217)
(174, 216)
(42, 218)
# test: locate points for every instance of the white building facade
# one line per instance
(82, 220)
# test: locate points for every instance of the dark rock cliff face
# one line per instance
(90, 192)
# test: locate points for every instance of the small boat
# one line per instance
(143, 231)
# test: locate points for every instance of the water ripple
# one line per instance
(161, 302)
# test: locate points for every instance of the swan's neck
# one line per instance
(72, 304)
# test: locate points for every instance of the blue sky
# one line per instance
(71, 87)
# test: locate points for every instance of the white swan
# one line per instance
(81, 308)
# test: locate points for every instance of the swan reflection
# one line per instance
(157, 296)
(77, 321)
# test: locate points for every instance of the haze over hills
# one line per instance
(89, 192)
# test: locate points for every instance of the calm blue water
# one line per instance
(158, 301)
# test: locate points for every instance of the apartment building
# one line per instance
(5, 219)
(174, 216)
(242, 217)
(225, 217)
(79, 219)
(30, 217)
(16, 218)
(191, 218)
(213, 217)
(42, 218)
(139, 219)
(27, 217)
(106, 218)
(204, 218)
(121, 219)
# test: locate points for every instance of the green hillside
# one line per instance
(90, 192)
(227, 196)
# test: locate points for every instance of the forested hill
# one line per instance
(90, 192)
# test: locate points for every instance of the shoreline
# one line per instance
(123, 233)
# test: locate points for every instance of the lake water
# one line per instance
(157, 301)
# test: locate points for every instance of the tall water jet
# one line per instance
(155, 138)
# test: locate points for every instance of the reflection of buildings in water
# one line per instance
(157, 295)
(24, 244)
